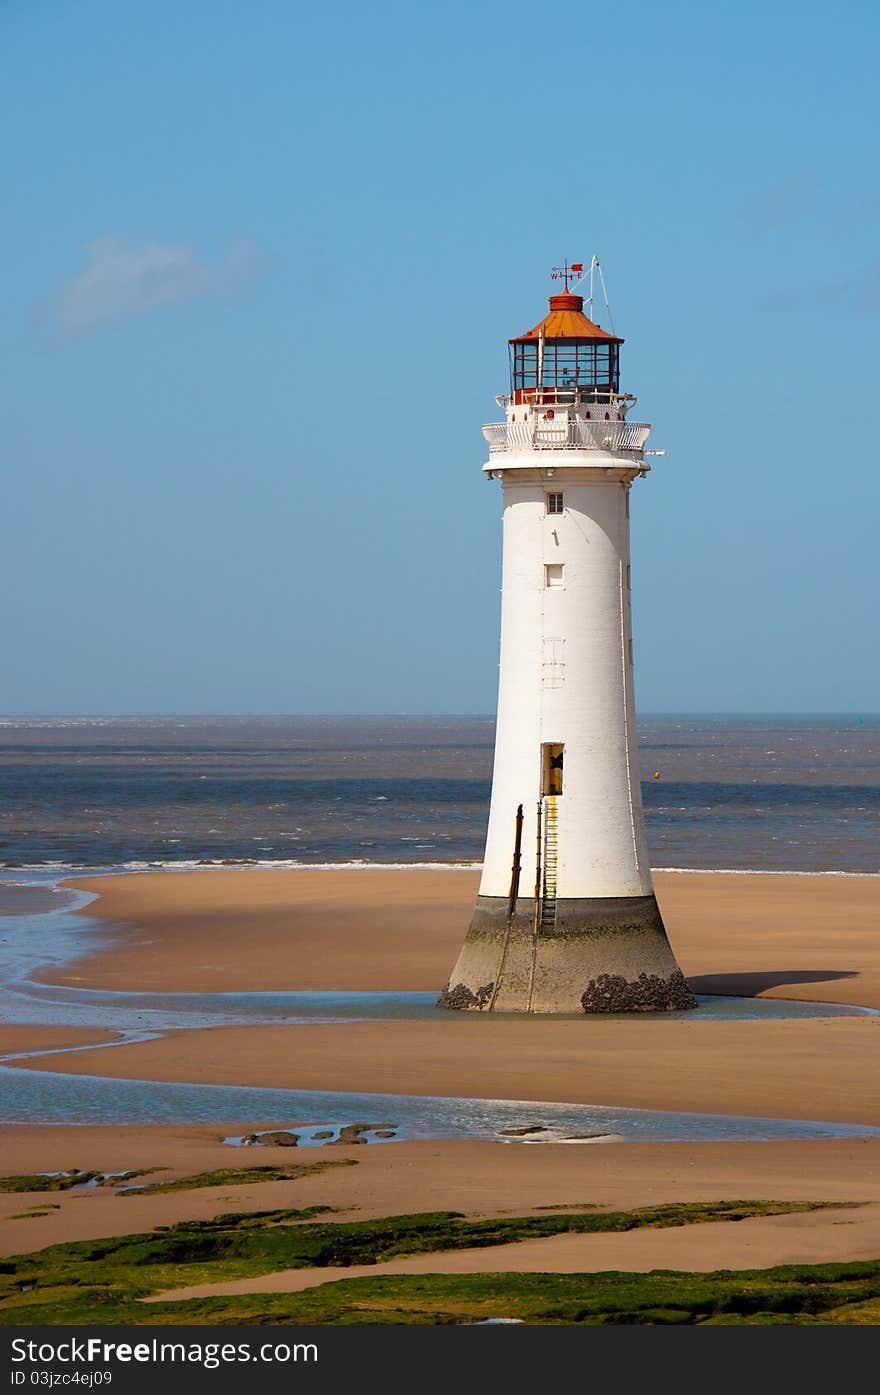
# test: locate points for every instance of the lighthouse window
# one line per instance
(554, 503)
(564, 370)
(525, 365)
(553, 574)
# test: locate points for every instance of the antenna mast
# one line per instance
(594, 267)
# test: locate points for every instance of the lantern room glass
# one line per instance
(572, 370)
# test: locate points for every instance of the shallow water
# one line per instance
(142, 1014)
(28, 1097)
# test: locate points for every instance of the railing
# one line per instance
(564, 433)
(568, 396)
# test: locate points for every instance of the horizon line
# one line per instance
(647, 714)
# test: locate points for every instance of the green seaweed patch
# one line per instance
(569, 1206)
(239, 1177)
(115, 1179)
(72, 1177)
(41, 1182)
(104, 1281)
(803, 1295)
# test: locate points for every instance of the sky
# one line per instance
(261, 265)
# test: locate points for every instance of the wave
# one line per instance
(57, 870)
(761, 872)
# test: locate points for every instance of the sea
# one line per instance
(759, 793)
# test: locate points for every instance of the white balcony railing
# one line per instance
(566, 433)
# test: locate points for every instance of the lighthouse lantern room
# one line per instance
(566, 918)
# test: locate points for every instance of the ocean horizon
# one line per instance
(754, 792)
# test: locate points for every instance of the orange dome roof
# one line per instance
(566, 320)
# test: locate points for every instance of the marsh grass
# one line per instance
(105, 1280)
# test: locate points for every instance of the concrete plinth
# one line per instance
(607, 954)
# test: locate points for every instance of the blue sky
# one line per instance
(261, 263)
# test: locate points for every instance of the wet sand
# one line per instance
(39, 1038)
(249, 930)
(477, 1179)
(809, 1069)
(785, 936)
(803, 937)
(219, 930)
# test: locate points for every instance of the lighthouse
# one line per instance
(566, 920)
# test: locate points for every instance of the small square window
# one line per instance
(554, 503)
(553, 574)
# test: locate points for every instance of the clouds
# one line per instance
(124, 278)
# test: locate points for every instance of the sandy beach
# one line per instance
(786, 936)
(782, 936)
(43, 1038)
(823, 1069)
(477, 1179)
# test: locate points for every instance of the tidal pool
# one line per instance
(41, 1097)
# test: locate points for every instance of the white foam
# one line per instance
(759, 872)
(58, 870)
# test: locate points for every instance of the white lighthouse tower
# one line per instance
(566, 919)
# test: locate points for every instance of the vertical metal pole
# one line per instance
(517, 862)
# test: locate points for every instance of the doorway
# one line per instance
(551, 767)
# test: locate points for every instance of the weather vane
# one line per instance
(569, 271)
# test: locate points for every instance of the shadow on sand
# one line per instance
(748, 985)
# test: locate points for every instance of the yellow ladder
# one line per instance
(551, 848)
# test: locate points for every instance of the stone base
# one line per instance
(604, 954)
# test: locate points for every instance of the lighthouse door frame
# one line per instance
(552, 762)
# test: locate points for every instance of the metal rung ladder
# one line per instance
(551, 846)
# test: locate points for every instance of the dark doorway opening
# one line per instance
(551, 765)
